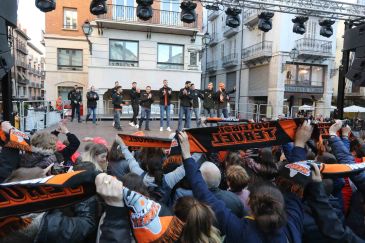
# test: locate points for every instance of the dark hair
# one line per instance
(327, 158)
(199, 221)
(310, 155)
(154, 168)
(267, 206)
(148, 86)
(146, 153)
(233, 158)
(114, 153)
(134, 82)
(188, 82)
(84, 165)
(135, 183)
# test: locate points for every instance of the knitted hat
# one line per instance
(151, 222)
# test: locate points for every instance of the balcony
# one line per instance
(257, 54)
(212, 66)
(230, 60)
(250, 17)
(312, 49)
(124, 17)
(214, 41)
(212, 15)
(21, 64)
(22, 48)
(312, 87)
(229, 32)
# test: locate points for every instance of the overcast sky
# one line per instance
(32, 19)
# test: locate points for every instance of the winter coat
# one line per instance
(57, 226)
(222, 103)
(246, 230)
(70, 149)
(185, 100)
(145, 101)
(195, 93)
(38, 158)
(118, 168)
(75, 97)
(117, 101)
(231, 201)
(92, 98)
(162, 96)
(134, 97)
(9, 161)
(209, 98)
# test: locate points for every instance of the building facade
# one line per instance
(268, 81)
(67, 50)
(127, 49)
(36, 73)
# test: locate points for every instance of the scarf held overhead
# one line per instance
(15, 139)
(38, 195)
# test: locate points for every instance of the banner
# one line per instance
(136, 142)
(38, 195)
(15, 139)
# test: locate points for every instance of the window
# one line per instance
(69, 59)
(193, 58)
(304, 75)
(170, 13)
(124, 10)
(123, 53)
(222, 51)
(70, 18)
(170, 56)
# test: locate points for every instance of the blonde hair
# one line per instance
(90, 155)
(44, 140)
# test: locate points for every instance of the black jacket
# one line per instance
(196, 94)
(9, 161)
(117, 100)
(75, 226)
(75, 97)
(209, 98)
(70, 149)
(134, 97)
(145, 101)
(92, 98)
(231, 201)
(223, 103)
(185, 100)
(162, 97)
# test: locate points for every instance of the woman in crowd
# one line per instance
(97, 154)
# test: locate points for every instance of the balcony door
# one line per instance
(170, 13)
(124, 10)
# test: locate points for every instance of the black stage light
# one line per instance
(98, 7)
(144, 9)
(46, 5)
(188, 14)
(299, 26)
(326, 27)
(233, 18)
(265, 22)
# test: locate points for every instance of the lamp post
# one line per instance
(293, 54)
(88, 29)
(206, 40)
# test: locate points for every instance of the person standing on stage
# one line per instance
(92, 99)
(165, 101)
(208, 96)
(75, 97)
(186, 99)
(222, 100)
(196, 94)
(118, 104)
(116, 85)
(146, 102)
(135, 95)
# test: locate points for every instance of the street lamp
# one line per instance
(88, 29)
(206, 40)
(293, 54)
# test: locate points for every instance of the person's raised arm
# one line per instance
(229, 224)
(302, 135)
(132, 163)
(74, 142)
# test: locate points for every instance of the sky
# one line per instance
(32, 19)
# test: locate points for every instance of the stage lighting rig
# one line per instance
(233, 19)
(326, 27)
(144, 9)
(98, 7)
(188, 14)
(299, 24)
(45, 5)
(265, 22)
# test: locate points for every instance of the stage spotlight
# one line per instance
(326, 27)
(188, 14)
(46, 5)
(265, 22)
(299, 26)
(98, 7)
(144, 9)
(233, 18)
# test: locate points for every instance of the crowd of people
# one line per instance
(214, 103)
(235, 196)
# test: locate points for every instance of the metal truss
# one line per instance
(317, 8)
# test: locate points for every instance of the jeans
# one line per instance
(117, 114)
(145, 115)
(162, 111)
(224, 111)
(75, 107)
(197, 116)
(89, 111)
(135, 108)
(187, 112)
(208, 112)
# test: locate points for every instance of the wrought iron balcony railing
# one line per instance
(258, 50)
(314, 46)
